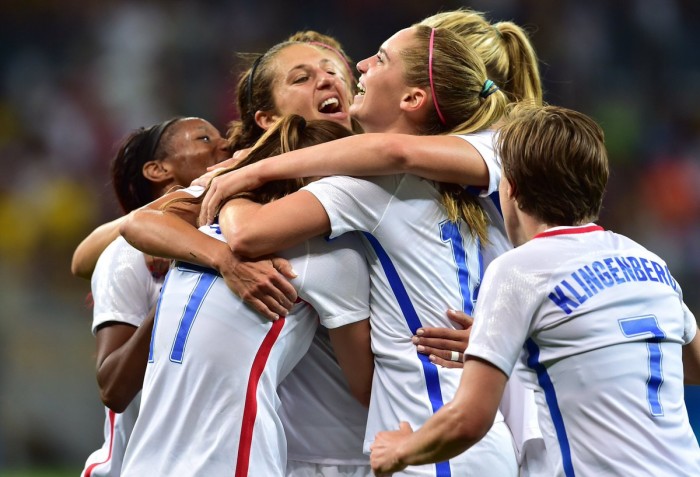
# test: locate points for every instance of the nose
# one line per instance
(362, 66)
(326, 80)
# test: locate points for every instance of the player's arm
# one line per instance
(171, 233)
(457, 426)
(691, 361)
(440, 158)
(253, 229)
(353, 351)
(89, 250)
(122, 354)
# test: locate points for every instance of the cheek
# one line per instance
(294, 101)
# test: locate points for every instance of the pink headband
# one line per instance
(342, 57)
(430, 75)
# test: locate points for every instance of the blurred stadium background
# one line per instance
(77, 75)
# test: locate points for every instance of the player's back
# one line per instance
(605, 348)
(421, 265)
(209, 403)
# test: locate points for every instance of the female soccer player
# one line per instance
(422, 238)
(149, 162)
(594, 321)
(209, 402)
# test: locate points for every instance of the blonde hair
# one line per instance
(458, 84)
(504, 47)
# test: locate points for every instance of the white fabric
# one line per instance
(122, 287)
(419, 269)
(310, 469)
(518, 404)
(123, 291)
(485, 144)
(323, 423)
(197, 417)
(585, 303)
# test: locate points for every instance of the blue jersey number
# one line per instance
(194, 302)
(647, 325)
(468, 285)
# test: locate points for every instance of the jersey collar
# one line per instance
(565, 230)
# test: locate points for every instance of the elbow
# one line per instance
(243, 245)
(394, 147)
(113, 399)
(467, 430)
(126, 228)
(77, 268)
(116, 392)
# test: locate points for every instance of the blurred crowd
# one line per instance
(76, 76)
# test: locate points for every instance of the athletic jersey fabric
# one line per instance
(602, 322)
(323, 422)
(123, 291)
(209, 402)
(421, 264)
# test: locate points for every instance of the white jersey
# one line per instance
(323, 422)
(123, 291)
(209, 401)
(602, 322)
(518, 404)
(421, 264)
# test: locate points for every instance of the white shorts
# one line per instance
(297, 468)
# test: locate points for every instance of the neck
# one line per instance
(528, 227)
(400, 126)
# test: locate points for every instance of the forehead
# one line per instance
(187, 126)
(400, 40)
(302, 55)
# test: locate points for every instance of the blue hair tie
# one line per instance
(488, 89)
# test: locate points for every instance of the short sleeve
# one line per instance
(484, 143)
(336, 280)
(503, 314)
(354, 204)
(122, 288)
(691, 325)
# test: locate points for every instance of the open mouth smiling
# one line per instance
(330, 106)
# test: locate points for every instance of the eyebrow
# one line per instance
(302, 66)
(383, 52)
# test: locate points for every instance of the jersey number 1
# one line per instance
(469, 289)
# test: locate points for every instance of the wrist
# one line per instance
(224, 260)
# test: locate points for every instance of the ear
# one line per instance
(157, 171)
(414, 99)
(511, 190)
(265, 119)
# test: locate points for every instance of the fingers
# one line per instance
(284, 267)
(446, 361)
(264, 310)
(442, 351)
(209, 203)
(461, 318)
(269, 301)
